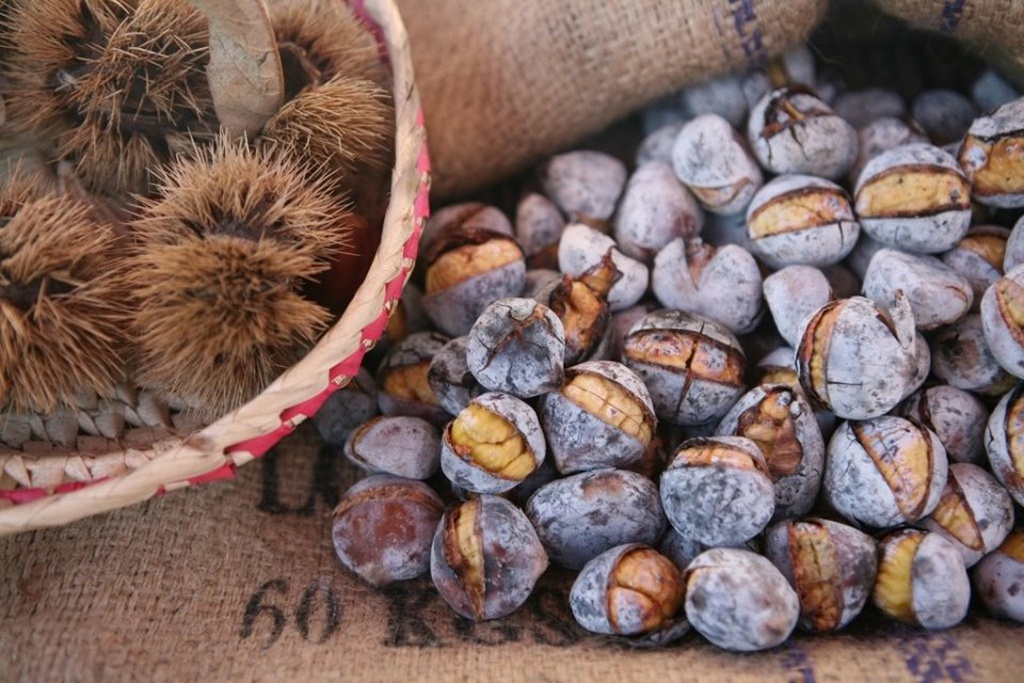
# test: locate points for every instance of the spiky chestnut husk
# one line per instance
(62, 298)
(344, 127)
(109, 84)
(338, 116)
(321, 39)
(228, 245)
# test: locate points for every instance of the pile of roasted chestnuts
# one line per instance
(762, 375)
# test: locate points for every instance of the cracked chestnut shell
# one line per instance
(486, 558)
(801, 219)
(402, 384)
(493, 444)
(857, 359)
(975, 512)
(628, 590)
(914, 198)
(517, 346)
(601, 416)
(783, 425)
(1004, 442)
(831, 566)
(693, 366)
(468, 267)
(1002, 320)
(713, 161)
(921, 580)
(581, 303)
(792, 131)
(885, 471)
(717, 490)
(992, 156)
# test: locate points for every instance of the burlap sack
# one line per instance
(994, 27)
(505, 82)
(238, 581)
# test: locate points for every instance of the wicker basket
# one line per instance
(48, 484)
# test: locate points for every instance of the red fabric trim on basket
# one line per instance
(226, 471)
(19, 496)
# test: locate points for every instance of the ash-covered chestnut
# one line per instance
(656, 208)
(864, 106)
(979, 257)
(1014, 255)
(1004, 442)
(938, 295)
(884, 472)
(486, 558)
(657, 144)
(914, 198)
(961, 357)
(990, 90)
(881, 134)
(493, 444)
(792, 294)
(581, 303)
(580, 516)
(956, 416)
(722, 95)
(739, 601)
(856, 359)
(783, 425)
(539, 281)
(403, 387)
(402, 445)
(797, 65)
(539, 225)
(712, 160)
(792, 131)
(601, 416)
(801, 219)
(717, 490)
(583, 249)
(945, 115)
(721, 283)
(470, 216)
(693, 367)
(831, 566)
(347, 408)
(628, 590)
(585, 184)
(450, 378)
(975, 512)
(383, 527)
(999, 576)
(1002, 320)
(517, 346)
(921, 580)
(467, 268)
(991, 156)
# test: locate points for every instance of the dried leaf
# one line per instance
(245, 73)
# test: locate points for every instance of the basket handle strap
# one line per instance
(245, 75)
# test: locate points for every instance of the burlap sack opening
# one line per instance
(991, 27)
(83, 461)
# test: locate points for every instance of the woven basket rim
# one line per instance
(247, 432)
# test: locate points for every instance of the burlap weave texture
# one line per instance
(506, 82)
